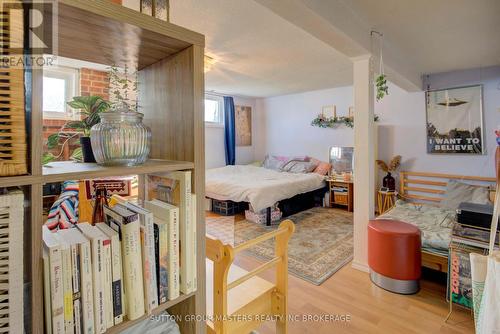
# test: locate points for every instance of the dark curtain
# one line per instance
(229, 130)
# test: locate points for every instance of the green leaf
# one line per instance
(77, 125)
(77, 154)
(47, 157)
(53, 140)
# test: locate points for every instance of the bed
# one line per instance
(422, 192)
(259, 186)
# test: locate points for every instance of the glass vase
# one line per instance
(120, 139)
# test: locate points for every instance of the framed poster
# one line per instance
(243, 124)
(455, 120)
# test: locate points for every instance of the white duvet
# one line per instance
(259, 186)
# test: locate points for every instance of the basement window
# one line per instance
(60, 85)
(214, 110)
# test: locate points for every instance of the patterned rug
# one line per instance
(321, 245)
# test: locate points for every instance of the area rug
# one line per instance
(321, 245)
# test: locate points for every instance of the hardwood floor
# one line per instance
(370, 308)
(349, 292)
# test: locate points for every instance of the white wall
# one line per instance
(214, 141)
(284, 123)
(402, 130)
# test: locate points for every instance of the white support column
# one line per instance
(364, 158)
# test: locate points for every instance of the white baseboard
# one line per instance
(360, 267)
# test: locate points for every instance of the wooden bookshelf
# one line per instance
(171, 91)
(119, 328)
(67, 170)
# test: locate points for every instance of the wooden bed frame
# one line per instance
(237, 300)
(429, 188)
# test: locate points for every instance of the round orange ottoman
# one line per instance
(394, 255)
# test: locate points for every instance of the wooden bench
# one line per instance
(238, 301)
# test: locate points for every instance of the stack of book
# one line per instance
(470, 234)
(473, 225)
(96, 277)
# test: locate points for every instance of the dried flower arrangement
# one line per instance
(393, 164)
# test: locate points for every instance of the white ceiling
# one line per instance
(436, 35)
(260, 50)
(258, 53)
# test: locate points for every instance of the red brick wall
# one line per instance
(92, 82)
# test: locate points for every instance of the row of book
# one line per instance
(96, 277)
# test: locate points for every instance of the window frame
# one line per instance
(220, 116)
(71, 77)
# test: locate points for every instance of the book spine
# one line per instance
(107, 283)
(98, 275)
(145, 270)
(156, 230)
(77, 313)
(193, 238)
(75, 265)
(150, 251)
(186, 243)
(76, 275)
(46, 293)
(87, 290)
(67, 276)
(117, 288)
(56, 288)
(173, 255)
(132, 270)
(163, 263)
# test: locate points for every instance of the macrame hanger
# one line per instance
(380, 46)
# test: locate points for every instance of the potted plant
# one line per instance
(120, 138)
(389, 181)
(90, 107)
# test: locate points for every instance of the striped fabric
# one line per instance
(64, 212)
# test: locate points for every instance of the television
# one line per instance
(342, 159)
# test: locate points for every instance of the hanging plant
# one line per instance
(333, 122)
(381, 79)
(382, 88)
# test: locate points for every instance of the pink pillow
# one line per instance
(323, 167)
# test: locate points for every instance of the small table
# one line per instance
(341, 193)
(386, 200)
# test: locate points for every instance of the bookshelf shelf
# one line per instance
(86, 24)
(13, 181)
(68, 170)
(171, 80)
(119, 328)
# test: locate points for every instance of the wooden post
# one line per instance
(364, 155)
(221, 270)
(281, 293)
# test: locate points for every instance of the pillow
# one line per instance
(458, 192)
(285, 159)
(322, 167)
(271, 162)
(276, 162)
(295, 166)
